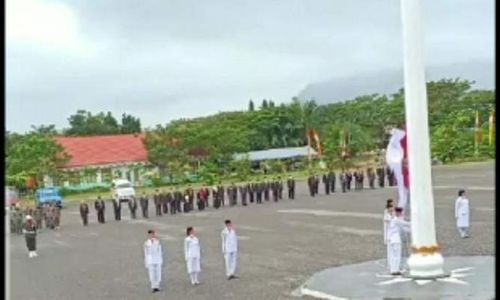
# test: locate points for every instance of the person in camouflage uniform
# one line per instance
(38, 216)
(19, 221)
(13, 217)
(57, 217)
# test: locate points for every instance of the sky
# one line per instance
(165, 60)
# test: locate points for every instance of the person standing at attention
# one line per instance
(388, 212)
(153, 259)
(192, 254)
(229, 249)
(462, 214)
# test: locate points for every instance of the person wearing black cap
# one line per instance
(462, 214)
(394, 249)
(153, 259)
(229, 249)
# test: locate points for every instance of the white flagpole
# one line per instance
(426, 260)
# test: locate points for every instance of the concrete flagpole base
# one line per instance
(426, 266)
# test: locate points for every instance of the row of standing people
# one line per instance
(346, 179)
(48, 214)
(174, 201)
(154, 255)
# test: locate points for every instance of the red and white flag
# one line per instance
(396, 158)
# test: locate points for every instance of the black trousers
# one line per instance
(291, 194)
(85, 219)
(158, 209)
(100, 216)
(144, 211)
(327, 189)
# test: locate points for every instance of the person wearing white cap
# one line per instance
(29, 231)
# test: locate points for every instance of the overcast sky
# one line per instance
(163, 60)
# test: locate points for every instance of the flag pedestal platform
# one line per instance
(426, 266)
(466, 277)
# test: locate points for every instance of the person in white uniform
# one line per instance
(396, 226)
(192, 255)
(462, 214)
(153, 259)
(388, 211)
(230, 249)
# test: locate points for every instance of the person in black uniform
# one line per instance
(84, 212)
(355, 175)
(251, 193)
(118, 209)
(144, 201)
(332, 177)
(132, 205)
(343, 181)
(243, 193)
(100, 207)
(290, 183)
(164, 202)
(259, 190)
(157, 202)
(267, 188)
(275, 190)
(169, 198)
(371, 177)
(280, 188)
(361, 177)
(178, 198)
(381, 176)
(310, 184)
(316, 184)
(215, 196)
(326, 182)
(348, 177)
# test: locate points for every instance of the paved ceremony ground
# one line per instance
(281, 244)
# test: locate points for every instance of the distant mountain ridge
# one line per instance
(390, 81)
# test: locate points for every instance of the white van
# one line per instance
(122, 190)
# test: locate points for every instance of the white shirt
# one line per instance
(229, 241)
(152, 252)
(462, 211)
(396, 225)
(191, 247)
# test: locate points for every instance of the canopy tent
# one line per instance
(278, 153)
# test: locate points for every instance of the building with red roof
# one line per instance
(110, 155)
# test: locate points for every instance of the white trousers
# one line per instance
(155, 275)
(394, 256)
(230, 258)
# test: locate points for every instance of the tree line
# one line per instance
(209, 143)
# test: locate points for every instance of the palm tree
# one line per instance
(305, 113)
